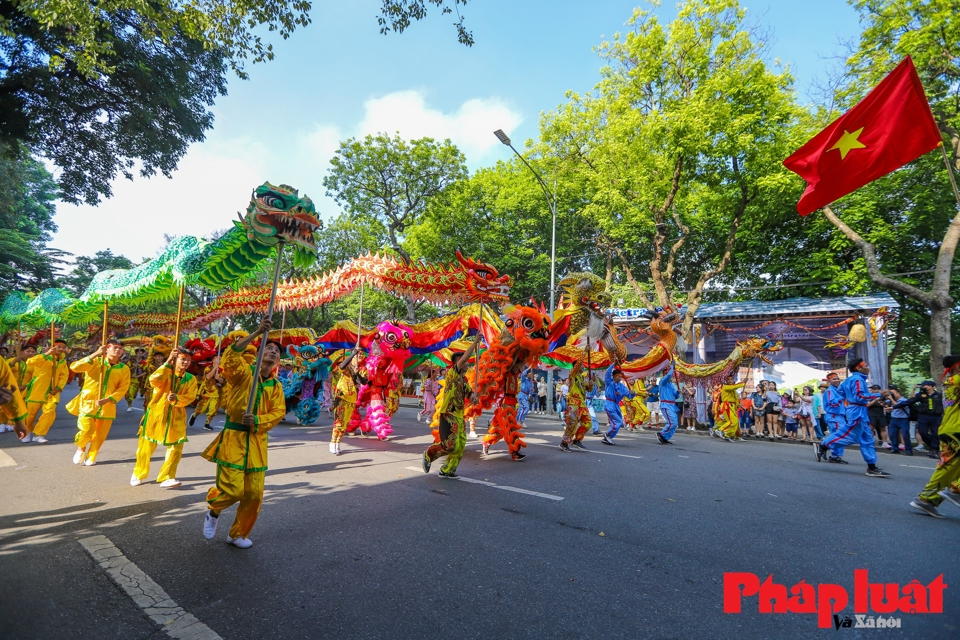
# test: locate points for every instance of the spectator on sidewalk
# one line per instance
(542, 395)
(773, 409)
(804, 404)
(790, 415)
(689, 414)
(929, 402)
(759, 406)
(745, 414)
(819, 424)
(878, 417)
(899, 412)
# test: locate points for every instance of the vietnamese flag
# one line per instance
(890, 127)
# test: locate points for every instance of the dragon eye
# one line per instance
(391, 337)
(272, 201)
(527, 323)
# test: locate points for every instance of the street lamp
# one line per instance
(552, 203)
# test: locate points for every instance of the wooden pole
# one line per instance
(19, 337)
(360, 317)
(53, 333)
(283, 325)
(263, 339)
(176, 331)
(953, 179)
(476, 374)
(103, 345)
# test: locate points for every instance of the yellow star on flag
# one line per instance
(847, 142)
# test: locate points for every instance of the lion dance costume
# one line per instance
(524, 338)
(384, 369)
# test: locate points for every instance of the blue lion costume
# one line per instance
(301, 389)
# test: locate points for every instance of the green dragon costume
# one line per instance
(275, 214)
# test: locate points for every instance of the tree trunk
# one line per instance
(938, 299)
(609, 277)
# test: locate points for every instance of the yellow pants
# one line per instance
(47, 411)
(207, 405)
(234, 485)
(92, 431)
(727, 421)
(168, 471)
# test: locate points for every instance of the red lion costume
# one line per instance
(524, 338)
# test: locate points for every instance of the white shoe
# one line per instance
(27, 438)
(4, 428)
(210, 525)
(89, 463)
(79, 456)
(129, 409)
(333, 448)
(135, 481)
(472, 435)
(40, 440)
(172, 483)
(242, 543)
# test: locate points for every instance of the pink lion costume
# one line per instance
(384, 366)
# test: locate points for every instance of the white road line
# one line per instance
(500, 486)
(148, 595)
(604, 453)
(6, 460)
(913, 466)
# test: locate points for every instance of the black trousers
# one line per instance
(927, 426)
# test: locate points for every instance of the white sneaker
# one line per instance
(210, 525)
(134, 481)
(333, 448)
(172, 483)
(40, 440)
(129, 409)
(4, 428)
(26, 438)
(472, 435)
(79, 456)
(242, 543)
(89, 463)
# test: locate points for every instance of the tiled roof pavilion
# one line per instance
(793, 308)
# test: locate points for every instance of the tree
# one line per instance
(929, 32)
(26, 214)
(85, 267)
(681, 141)
(385, 184)
(99, 88)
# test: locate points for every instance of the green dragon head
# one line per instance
(278, 214)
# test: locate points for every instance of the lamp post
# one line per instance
(552, 203)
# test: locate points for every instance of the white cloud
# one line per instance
(215, 178)
(470, 127)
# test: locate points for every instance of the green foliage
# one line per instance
(26, 215)
(385, 184)
(396, 15)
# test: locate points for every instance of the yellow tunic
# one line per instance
(16, 409)
(639, 402)
(237, 446)
(21, 371)
(116, 380)
(164, 422)
(725, 413)
(48, 373)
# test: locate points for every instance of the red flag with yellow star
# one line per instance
(890, 127)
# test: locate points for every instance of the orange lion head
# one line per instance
(530, 328)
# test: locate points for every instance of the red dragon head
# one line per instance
(483, 282)
(530, 329)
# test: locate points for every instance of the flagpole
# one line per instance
(360, 317)
(953, 178)
(103, 345)
(176, 331)
(263, 338)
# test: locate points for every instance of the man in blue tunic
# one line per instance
(614, 391)
(669, 393)
(857, 428)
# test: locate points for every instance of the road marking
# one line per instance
(679, 456)
(903, 465)
(597, 451)
(770, 494)
(500, 486)
(148, 595)
(6, 460)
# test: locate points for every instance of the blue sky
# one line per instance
(340, 78)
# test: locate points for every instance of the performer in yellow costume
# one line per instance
(944, 484)
(725, 412)
(349, 378)
(43, 392)
(209, 394)
(452, 430)
(240, 450)
(577, 417)
(137, 378)
(12, 408)
(165, 420)
(21, 375)
(636, 414)
(104, 385)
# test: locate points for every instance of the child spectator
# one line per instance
(745, 414)
(790, 413)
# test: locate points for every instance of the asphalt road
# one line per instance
(365, 546)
